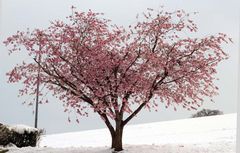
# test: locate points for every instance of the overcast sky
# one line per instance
(214, 16)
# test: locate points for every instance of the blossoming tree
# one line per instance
(116, 71)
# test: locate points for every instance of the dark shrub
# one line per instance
(5, 135)
(21, 136)
(24, 139)
(207, 112)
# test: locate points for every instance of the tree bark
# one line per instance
(117, 138)
(116, 133)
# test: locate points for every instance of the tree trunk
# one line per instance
(117, 137)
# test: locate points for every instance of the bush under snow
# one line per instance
(19, 135)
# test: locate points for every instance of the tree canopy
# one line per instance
(88, 62)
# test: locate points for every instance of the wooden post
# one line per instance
(37, 92)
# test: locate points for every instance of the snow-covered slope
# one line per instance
(215, 134)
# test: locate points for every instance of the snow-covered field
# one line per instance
(216, 134)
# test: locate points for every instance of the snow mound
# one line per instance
(22, 128)
(214, 134)
(188, 131)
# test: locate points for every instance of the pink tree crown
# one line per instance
(87, 62)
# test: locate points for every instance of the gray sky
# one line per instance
(214, 16)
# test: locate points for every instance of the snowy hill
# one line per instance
(215, 134)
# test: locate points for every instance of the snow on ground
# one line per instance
(215, 134)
